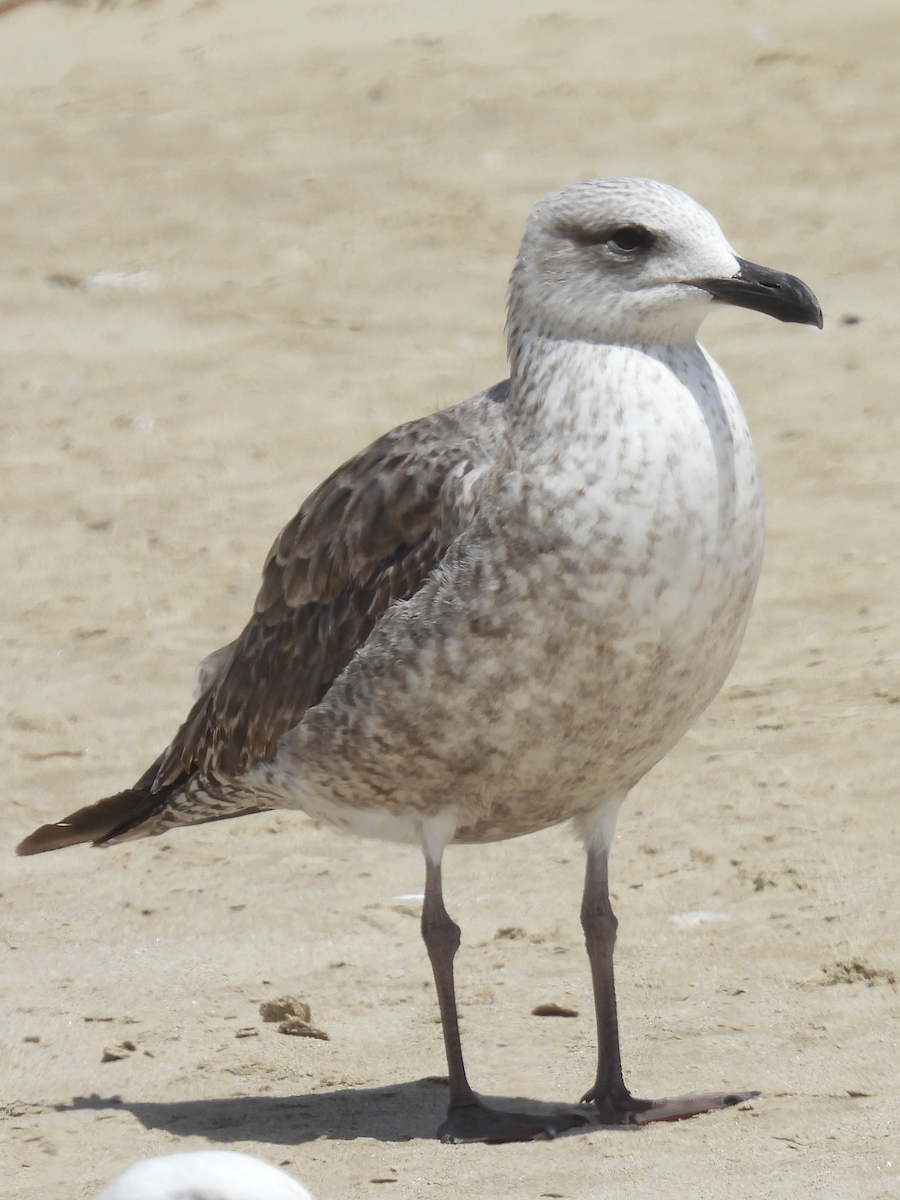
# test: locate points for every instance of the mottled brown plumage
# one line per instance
(369, 535)
(366, 537)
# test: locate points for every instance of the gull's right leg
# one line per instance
(609, 1095)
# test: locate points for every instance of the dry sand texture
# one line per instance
(237, 242)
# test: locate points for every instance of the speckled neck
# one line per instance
(555, 382)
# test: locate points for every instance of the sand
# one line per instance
(237, 242)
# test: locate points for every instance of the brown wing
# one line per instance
(368, 536)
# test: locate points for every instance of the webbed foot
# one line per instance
(628, 1110)
(475, 1122)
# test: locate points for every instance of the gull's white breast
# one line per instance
(591, 611)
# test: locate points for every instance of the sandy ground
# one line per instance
(237, 242)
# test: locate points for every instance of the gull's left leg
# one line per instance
(609, 1095)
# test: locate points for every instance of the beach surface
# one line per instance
(238, 242)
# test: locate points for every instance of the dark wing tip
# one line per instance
(49, 837)
(90, 824)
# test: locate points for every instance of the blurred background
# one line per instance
(237, 242)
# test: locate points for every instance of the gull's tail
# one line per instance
(142, 811)
(107, 818)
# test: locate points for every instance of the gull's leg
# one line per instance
(468, 1120)
(614, 1103)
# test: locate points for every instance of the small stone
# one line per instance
(297, 1027)
(114, 1053)
(855, 971)
(249, 1032)
(65, 279)
(284, 1006)
(553, 1010)
(33, 1038)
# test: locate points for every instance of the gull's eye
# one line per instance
(630, 239)
(622, 242)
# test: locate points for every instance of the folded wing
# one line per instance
(367, 537)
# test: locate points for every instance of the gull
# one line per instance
(499, 617)
(203, 1175)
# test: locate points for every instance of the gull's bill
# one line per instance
(774, 293)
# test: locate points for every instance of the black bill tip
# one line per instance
(771, 292)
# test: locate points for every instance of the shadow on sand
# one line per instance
(387, 1114)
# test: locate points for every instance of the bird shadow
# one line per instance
(399, 1113)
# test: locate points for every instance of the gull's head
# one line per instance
(635, 261)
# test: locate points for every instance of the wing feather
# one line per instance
(368, 537)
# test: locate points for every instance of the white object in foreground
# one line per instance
(205, 1175)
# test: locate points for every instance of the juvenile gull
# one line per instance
(499, 617)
